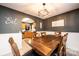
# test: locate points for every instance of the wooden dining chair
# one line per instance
(61, 52)
(57, 34)
(62, 46)
(60, 49)
(43, 33)
(64, 39)
(22, 51)
(14, 47)
(35, 34)
(64, 42)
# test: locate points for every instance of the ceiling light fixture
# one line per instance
(43, 12)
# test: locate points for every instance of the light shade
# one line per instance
(27, 20)
(43, 12)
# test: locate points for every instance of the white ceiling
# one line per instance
(32, 8)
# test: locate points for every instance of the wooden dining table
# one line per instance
(45, 45)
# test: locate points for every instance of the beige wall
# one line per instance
(5, 47)
(73, 41)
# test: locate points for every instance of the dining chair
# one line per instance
(14, 47)
(19, 52)
(57, 34)
(64, 39)
(35, 34)
(43, 33)
(64, 42)
(61, 51)
(62, 46)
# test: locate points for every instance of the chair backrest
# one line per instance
(35, 34)
(14, 47)
(57, 33)
(64, 39)
(62, 46)
(43, 33)
(61, 51)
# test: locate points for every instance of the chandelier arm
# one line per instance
(44, 12)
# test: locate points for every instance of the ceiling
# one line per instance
(33, 8)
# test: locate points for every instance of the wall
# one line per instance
(6, 30)
(10, 26)
(5, 47)
(72, 44)
(10, 20)
(73, 41)
(71, 22)
(71, 25)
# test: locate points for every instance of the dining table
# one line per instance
(45, 45)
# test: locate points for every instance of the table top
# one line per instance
(45, 45)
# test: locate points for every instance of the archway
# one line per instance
(28, 25)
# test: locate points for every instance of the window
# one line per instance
(58, 23)
(40, 25)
